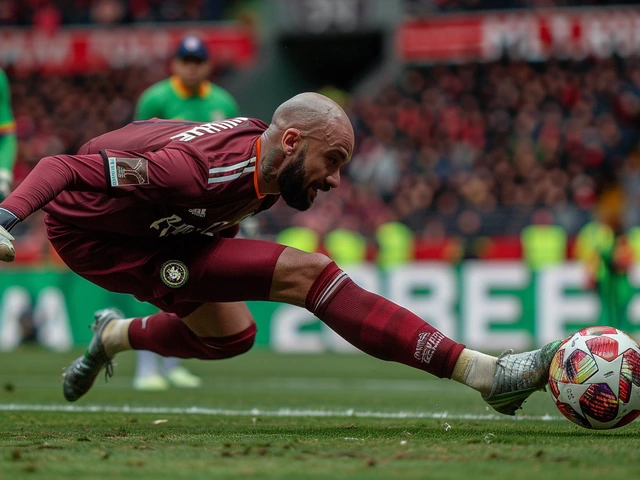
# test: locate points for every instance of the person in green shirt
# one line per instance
(186, 95)
(608, 256)
(8, 143)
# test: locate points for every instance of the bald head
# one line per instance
(315, 116)
(309, 139)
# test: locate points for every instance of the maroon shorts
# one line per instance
(176, 274)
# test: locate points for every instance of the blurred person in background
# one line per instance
(544, 244)
(607, 254)
(8, 143)
(396, 245)
(186, 95)
(157, 216)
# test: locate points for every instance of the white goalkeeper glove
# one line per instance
(7, 252)
(7, 221)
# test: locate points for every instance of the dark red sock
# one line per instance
(166, 334)
(378, 326)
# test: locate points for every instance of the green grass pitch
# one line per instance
(269, 416)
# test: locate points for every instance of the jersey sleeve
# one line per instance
(53, 175)
(168, 175)
(8, 143)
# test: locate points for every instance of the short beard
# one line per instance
(291, 181)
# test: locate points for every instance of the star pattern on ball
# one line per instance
(571, 393)
(580, 342)
(595, 378)
(608, 372)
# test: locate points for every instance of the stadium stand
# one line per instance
(48, 13)
(467, 151)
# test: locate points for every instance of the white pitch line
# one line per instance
(256, 412)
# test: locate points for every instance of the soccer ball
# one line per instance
(594, 378)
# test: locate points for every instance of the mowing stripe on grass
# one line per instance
(254, 412)
(272, 384)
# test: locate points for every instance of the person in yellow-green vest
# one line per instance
(543, 243)
(186, 95)
(302, 238)
(607, 255)
(396, 245)
(345, 247)
(633, 236)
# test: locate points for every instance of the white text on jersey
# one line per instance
(205, 128)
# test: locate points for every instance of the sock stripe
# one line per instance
(329, 290)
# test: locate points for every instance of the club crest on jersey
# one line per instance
(174, 274)
(128, 171)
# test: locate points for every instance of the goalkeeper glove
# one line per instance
(7, 221)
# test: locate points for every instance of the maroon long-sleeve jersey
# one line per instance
(155, 178)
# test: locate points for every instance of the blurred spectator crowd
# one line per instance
(58, 114)
(49, 13)
(486, 149)
(426, 7)
(466, 150)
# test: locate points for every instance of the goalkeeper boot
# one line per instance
(518, 375)
(80, 375)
